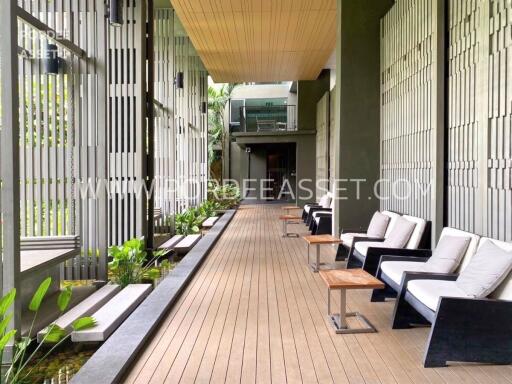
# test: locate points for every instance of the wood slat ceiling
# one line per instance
(260, 40)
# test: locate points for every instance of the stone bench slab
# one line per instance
(208, 223)
(113, 313)
(171, 243)
(187, 243)
(85, 308)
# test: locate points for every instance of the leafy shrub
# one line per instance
(227, 196)
(188, 222)
(128, 264)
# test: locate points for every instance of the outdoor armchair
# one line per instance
(453, 247)
(408, 233)
(373, 232)
(324, 202)
(470, 312)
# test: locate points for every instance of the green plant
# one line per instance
(209, 207)
(226, 196)
(129, 264)
(21, 367)
(187, 222)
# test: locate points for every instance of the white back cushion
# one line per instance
(400, 234)
(325, 201)
(448, 254)
(417, 234)
(504, 290)
(472, 247)
(378, 225)
(393, 217)
(487, 269)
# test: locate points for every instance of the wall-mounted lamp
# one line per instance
(178, 80)
(51, 60)
(204, 107)
(115, 13)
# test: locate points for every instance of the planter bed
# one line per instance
(113, 358)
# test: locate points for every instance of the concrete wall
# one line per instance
(357, 107)
(309, 94)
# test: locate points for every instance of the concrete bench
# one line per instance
(86, 308)
(208, 223)
(187, 243)
(171, 243)
(113, 313)
(48, 312)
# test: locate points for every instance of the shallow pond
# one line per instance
(60, 367)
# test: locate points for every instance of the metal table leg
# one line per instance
(308, 253)
(339, 320)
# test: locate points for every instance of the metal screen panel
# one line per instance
(407, 114)
(463, 141)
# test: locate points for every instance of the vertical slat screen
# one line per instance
(61, 131)
(164, 120)
(83, 131)
(499, 132)
(322, 144)
(463, 142)
(126, 139)
(190, 125)
(407, 115)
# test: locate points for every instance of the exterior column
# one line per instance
(9, 153)
(357, 104)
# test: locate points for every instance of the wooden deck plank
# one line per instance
(256, 313)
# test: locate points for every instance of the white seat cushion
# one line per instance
(348, 238)
(487, 269)
(362, 246)
(395, 269)
(378, 225)
(429, 292)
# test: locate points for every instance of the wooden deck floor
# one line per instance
(256, 313)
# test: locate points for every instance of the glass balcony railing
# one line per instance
(266, 119)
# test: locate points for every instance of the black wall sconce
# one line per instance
(178, 80)
(204, 107)
(51, 60)
(115, 13)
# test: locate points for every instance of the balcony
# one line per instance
(276, 118)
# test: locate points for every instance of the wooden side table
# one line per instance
(319, 240)
(343, 279)
(286, 219)
(288, 208)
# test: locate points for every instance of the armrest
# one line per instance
(410, 276)
(362, 238)
(375, 253)
(354, 230)
(403, 258)
(323, 215)
(318, 208)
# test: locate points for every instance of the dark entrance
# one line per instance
(281, 172)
